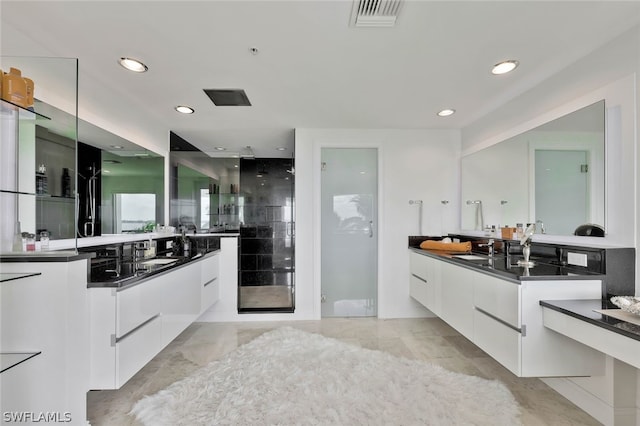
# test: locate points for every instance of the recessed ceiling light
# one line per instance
(254, 50)
(220, 148)
(116, 146)
(504, 67)
(281, 148)
(184, 109)
(133, 65)
(446, 112)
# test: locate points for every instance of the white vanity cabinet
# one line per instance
(131, 325)
(425, 281)
(508, 325)
(126, 332)
(504, 317)
(210, 282)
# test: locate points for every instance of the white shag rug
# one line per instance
(291, 377)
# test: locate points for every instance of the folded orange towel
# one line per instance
(439, 245)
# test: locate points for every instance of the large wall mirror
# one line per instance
(553, 174)
(119, 185)
(204, 189)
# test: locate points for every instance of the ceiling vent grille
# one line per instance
(375, 13)
(228, 97)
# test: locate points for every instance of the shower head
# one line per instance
(474, 202)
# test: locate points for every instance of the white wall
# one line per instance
(414, 164)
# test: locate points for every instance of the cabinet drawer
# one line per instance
(136, 349)
(419, 290)
(210, 269)
(210, 294)
(498, 297)
(419, 264)
(136, 305)
(500, 341)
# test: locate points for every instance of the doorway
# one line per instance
(349, 232)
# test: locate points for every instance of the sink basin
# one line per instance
(158, 261)
(470, 257)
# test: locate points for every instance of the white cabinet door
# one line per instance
(424, 281)
(210, 282)
(457, 298)
(180, 300)
(419, 286)
(500, 341)
(498, 298)
(434, 278)
(135, 305)
(136, 349)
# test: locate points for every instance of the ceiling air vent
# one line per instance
(375, 13)
(228, 97)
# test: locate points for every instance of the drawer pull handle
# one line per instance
(420, 278)
(115, 339)
(210, 281)
(503, 322)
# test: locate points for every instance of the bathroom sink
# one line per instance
(469, 257)
(158, 261)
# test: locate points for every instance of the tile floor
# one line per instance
(265, 296)
(429, 339)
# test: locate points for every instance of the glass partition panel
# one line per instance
(29, 189)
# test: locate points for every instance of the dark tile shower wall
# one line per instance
(266, 236)
(89, 163)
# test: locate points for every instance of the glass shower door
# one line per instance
(349, 265)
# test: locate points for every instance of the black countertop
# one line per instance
(507, 268)
(132, 273)
(584, 310)
(45, 256)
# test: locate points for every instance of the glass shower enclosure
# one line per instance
(266, 209)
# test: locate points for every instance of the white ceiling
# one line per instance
(313, 69)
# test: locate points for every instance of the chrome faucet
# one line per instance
(490, 245)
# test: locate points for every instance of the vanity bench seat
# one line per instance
(579, 320)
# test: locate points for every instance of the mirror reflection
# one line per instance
(553, 175)
(204, 189)
(120, 186)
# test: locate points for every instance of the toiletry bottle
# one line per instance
(519, 231)
(17, 238)
(31, 242)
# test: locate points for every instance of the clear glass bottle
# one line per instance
(31, 242)
(44, 240)
(17, 238)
